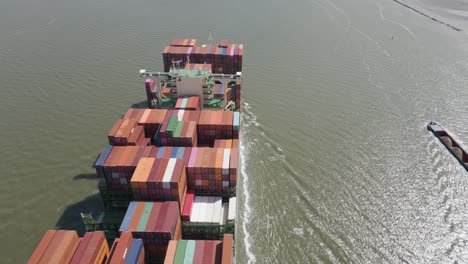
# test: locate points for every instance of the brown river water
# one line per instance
(338, 164)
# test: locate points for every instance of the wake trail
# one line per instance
(394, 22)
(428, 16)
(247, 212)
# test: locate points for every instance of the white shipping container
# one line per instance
(226, 157)
(203, 207)
(224, 214)
(168, 173)
(209, 209)
(218, 204)
(194, 215)
(180, 115)
(212, 200)
(232, 209)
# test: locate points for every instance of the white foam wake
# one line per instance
(247, 212)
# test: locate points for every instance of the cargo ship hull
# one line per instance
(450, 143)
(168, 177)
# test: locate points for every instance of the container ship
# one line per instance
(169, 174)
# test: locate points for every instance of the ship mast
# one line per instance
(210, 38)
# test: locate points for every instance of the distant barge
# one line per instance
(450, 143)
(169, 174)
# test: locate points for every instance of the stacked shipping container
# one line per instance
(149, 119)
(188, 205)
(151, 91)
(219, 91)
(62, 246)
(236, 93)
(127, 250)
(212, 170)
(120, 164)
(196, 66)
(209, 209)
(160, 180)
(188, 103)
(178, 129)
(184, 42)
(93, 248)
(126, 132)
(171, 152)
(137, 127)
(168, 173)
(214, 124)
(224, 57)
(232, 210)
(200, 251)
(55, 247)
(156, 223)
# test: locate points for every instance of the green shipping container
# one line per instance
(189, 252)
(180, 252)
(144, 217)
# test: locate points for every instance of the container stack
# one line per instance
(172, 152)
(219, 91)
(188, 205)
(184, 42)
(223, 143)
(149, 119)
(214, 124)
(120, 165)
(176, 53)
(151, 91)
(198, 66)
(232, 210)
(240, 55)
(208, 210)
(166, 90)
(228, 245)
(235, 125)
(233, 167)
(100, 161)
(152, 120)
(229, 95)
(56, 246)
(156, 223)
(235, 143)
(127, 250)
(232, 60)
(208, 170)
(193, 251)
(126, 132)
(224, 57)
(92, 248)
(188, 103)
(236, 93)
(179, 49)
(160, 180)
(178, 129)
(200, 251)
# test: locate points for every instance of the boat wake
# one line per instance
(247, 118)
(428, 16)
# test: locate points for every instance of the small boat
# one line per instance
(450, 143)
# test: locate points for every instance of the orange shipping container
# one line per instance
(61, 248)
